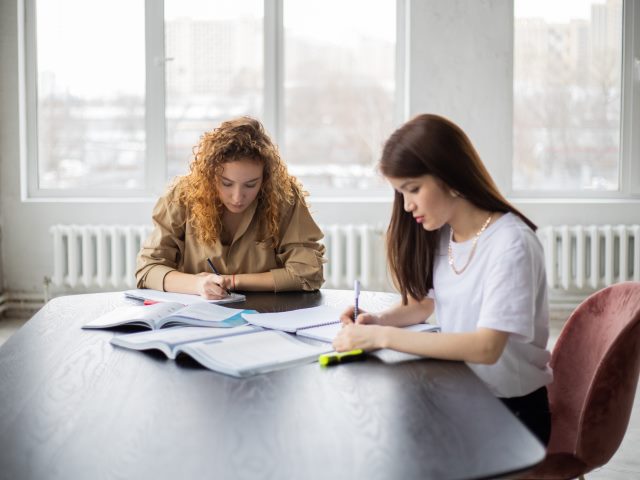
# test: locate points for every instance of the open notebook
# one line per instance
(239, 351)
(318, 323)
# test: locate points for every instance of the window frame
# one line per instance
(155, 161)
(629, 157)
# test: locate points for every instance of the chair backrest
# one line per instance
(596, 362)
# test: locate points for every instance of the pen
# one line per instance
(335, 358)
(215, 270)
(356, 291)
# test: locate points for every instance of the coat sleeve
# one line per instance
(163, 251)
(299, 252)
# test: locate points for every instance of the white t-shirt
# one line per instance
(503, 288)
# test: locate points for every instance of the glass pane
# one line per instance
(214, 70)
(567, 85)
(91, 84)
(339, 89)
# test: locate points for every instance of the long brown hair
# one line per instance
(432, 145)
(238, 139)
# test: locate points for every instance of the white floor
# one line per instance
(624, 465)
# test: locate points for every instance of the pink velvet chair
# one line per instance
(596, 362)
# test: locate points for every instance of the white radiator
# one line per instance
(96, 255)
(355, 252)
(105, 255)
(578, 258)
(590, 257)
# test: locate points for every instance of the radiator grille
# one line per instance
(590, 257)
(578, 258)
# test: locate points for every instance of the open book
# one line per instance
(169, 340)
(167, 314)
(183, 298)
(318, 323)
(240, 351)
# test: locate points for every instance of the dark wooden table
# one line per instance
(74, 407)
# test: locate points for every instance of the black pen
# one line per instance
(215, 270)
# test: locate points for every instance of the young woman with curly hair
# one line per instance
(239, 208)
(457, 246)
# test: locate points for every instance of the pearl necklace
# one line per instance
(473, 247)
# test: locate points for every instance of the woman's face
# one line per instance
(428, 200)
(240, 183)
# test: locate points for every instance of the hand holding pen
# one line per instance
(355, 314)
(215, 270)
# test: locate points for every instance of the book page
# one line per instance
(208, 313)
(294, 320)
(254, 353)
(183, 298)
(147, 315)
(178, 335)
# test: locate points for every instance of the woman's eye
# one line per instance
(252, 185)
(226, 184)
(414, 190)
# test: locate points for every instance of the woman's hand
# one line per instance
(353, 336)
(363, 317)
(212, 286)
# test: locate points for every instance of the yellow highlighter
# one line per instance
(336, 358)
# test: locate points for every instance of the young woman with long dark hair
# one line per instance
(457, 246)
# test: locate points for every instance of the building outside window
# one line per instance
(567, 95)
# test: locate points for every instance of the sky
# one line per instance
(83, 53)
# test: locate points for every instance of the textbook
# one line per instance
(240, 351)
(169, 340)
(166, 314)
(183, 298)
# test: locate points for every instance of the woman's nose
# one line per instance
(408, 205)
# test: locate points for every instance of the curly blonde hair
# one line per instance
(238, 139)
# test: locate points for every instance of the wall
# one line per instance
(460, 66)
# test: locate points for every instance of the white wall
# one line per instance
(461, 64)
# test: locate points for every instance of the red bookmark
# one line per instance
(149, 302)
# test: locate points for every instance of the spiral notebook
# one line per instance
(295, 320)
(326, 333)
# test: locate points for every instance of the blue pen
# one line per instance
(356, 291)
(215, 270)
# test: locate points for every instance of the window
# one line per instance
(90, 95)
(339, 89)
(120, 111)
(214, 69)
(568, 71)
